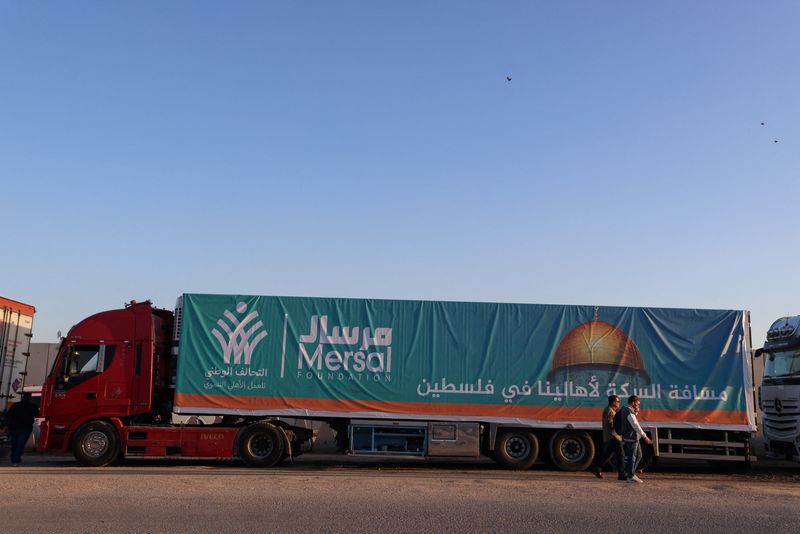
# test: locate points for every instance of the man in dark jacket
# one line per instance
(19, 420)
(612, 442)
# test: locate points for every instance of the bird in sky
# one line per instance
(774, 141)
(508, 78)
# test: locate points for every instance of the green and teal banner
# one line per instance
(533, 364)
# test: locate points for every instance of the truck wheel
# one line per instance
(96, 444)
(261, 445)
(516, 448)
(571, 450)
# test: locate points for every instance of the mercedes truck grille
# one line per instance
(780, 416)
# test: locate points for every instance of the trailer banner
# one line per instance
(526, 363)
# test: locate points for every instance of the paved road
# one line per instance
(322, 493)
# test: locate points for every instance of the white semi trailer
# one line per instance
(16, 321)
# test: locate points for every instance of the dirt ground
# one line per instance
(331, 493)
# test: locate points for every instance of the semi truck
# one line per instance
(779, 394)
(239, 376)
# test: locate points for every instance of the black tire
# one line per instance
(261, 445)
(572, 450)
(96, 444)
(516, 448)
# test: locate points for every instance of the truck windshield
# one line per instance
(782, 363)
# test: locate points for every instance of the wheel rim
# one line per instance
(95, 444)
(573, 450)
(517, 447)
(260, 446)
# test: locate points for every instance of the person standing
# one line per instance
(612, 442)
(20, 418)
(632, 432)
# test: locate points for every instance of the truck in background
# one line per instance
(16, 323)
(779, 394)
(396, 378)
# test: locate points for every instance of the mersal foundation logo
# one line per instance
(347, 353)
(236, 339)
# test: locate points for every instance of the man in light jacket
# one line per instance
(631, 433)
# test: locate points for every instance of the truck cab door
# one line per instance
(78, 383)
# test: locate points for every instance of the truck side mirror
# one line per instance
(758, 353)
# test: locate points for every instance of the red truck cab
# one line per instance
(112, 368)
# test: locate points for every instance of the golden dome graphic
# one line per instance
(599, 345)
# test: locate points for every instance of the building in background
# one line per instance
(16, 322)
(39, 364)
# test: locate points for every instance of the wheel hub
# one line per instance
(572, 449)
(260, 446)
(517, 447)
(95, 444)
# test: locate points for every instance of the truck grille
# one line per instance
(781, 422)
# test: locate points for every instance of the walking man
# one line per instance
(631, 433)
(20, 424)
(612, 442)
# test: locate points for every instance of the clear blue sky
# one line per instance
(375, 149)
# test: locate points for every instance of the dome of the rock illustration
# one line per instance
(599, 345)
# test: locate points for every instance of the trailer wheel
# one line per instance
(96, 444)
(516, 448)
(571, 450)
(261, 445)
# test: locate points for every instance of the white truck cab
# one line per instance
(779, 396)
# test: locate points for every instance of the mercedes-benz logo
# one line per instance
(778, 405)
